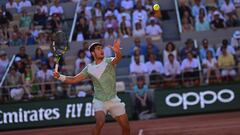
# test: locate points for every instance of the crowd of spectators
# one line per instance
(202, 15)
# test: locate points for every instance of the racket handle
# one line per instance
(56, 68)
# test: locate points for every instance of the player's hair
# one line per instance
(92, 48)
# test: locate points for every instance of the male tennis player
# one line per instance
(102, 73)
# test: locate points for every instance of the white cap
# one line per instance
(108, 13)
(17, 59)
(236, 34)
(50, 54)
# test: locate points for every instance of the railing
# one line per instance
(6, 72)
(178, 16)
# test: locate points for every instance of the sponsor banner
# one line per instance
(52, 113)
(197, 100)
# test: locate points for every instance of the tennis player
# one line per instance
(102, 73)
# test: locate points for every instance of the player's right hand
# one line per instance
(56, 75)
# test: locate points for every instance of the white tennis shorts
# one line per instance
(114, 106)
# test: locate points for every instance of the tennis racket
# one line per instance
(59, 46)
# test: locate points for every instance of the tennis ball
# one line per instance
(156, 7)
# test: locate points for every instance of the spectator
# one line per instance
(43, 8)
(41, 39)
(139, 14)
(55, 23)
(33, 66)
(151, 48)
(217, 22)
(56, 9)
(127, 4)
(85, 48)
(19, 65)
(81, 58)
(196, 8)
(184, 8)
(5, 18)
(155, 70)
(124, 30)
(230, 49)
(190, 70)
(14, 80)
(97, 10)
(186, 26)
(82, 29)
(137, 52)
(16, 40)
(228, 7)
(122, 13)
(205, 48)
(137, 67)
(187, 18)
(153, 29)
(3, 63)
(45, 78)
(40, 17)
(210, 68)
(22, 54)
(169, 49)
(39, 56)
(189, 47)
(238, 61)
(11, 4)
(29, 39)
(113, 8)
(110, 21)
(202, 14)
(24, 3)
(235, 40)
(137, 43)
(28, 79)
(142, 99)
(226, 64)
(172, 71)
(51, 61)
(138, 31)
(110, 33)
(232, 20)
(202, 24)
(95, 26)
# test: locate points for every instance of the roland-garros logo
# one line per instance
(176, 100)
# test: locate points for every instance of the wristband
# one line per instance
(62, 78)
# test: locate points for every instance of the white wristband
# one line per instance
(62, 78)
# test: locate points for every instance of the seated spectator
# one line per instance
(153, 29)
(138, 44)
(184, 8)
(235, 40)
(45, 78)
(190, 70)
(43, 7)
(138, 31)
(232, 21)
(29, 38)
(210, 68)
(14, 80)
(141, 96)
(226, 63)
(55, 23)
(82, 28)
(16, 40)
(205, 48)
(196, 8)
(201, 14)
(127, 4)
(124, 31)
(41, 39)
(19, 65)
(186, 26)
(11, 4)
(39, 56)
(139, 14)
(202, 24)
(228, 7)
(189, 47)
(110, 21)
(28, 79)
(4, 61)
(95, 27)
(151, 48)
(51, 61)
(137, 52)
(123, 13)
(155, 70)
(187, 18)
(24, 3)
(217, 22)
(172, 71)
(137, 68)
(5, 18)
(225, 44)
(169, 49)
(97, 10)
(56, 9)
(86, 50)
(110, 33)
(22, 54)
(81, 58)
(40, 17)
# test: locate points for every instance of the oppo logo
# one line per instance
(224, 96)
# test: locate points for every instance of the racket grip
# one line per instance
(56, 68)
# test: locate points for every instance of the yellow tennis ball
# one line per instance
(156, 7)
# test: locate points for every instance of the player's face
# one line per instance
(98, 52)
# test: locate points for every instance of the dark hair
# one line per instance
(94, 45)
(36, 54)
(225, 42)
(172, 44)
(80, 51)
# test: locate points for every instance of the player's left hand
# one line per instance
(116, 46)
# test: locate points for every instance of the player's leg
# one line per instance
(100, 120)
(124, 123)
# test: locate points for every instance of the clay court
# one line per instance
(227, 123)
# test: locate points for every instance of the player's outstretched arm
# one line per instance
(69, 79)
(117, 50)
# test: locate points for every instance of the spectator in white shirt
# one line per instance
(196, 7)
(138, 31)
(138, 68)
(44, 76)
(110, 33)
(235, 40)
(172, 71)
(127, 4)
(11, 4)
(190, 70)
(123, 13)
(228, 7)
(230, 49)
(140, 14)
(24, 3)
(155, 70)
(153, 29)
(43, 8)
(137, 51)
(56, 9)
(81, 58)
(3, 62)
(169, 49)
